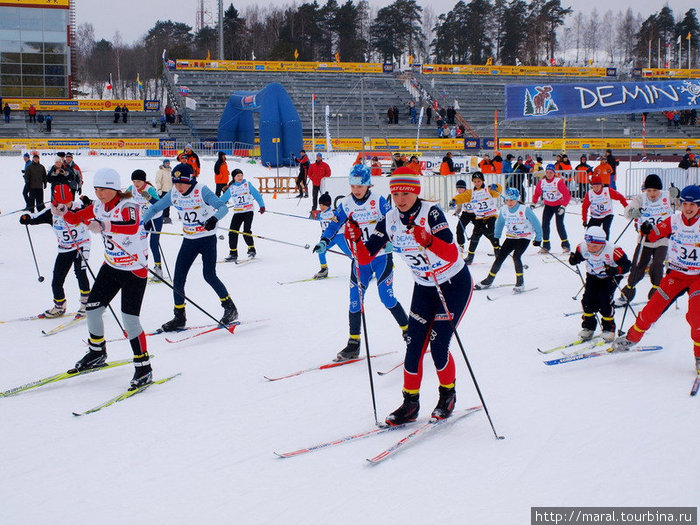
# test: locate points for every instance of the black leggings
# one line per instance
(246, 220)
(64, 260)
(190, 249)
(483, 227)
(598, 297)
(109, 282)
(654, 259)
(605, 222)
(518, 247)
(547, 214)
(464, 219)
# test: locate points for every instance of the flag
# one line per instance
(139, 83)
(313, 99)
(668, 44)
(252, 55)
(208, 55)
(337, 57)
(679, 40)
(687, 37)
(109, 84)
(296, 54)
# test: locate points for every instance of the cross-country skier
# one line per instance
(419, 233)
(520, 224)
(367, 210)
(652, 205)
(599, 200)
(482, 200)
(199, 210)
(556, 196)
(605, 265)
(241, 194)
(117, 217)
(146, 195)
(464, 214)
(683, 231)
(70, 240)
(324, 217)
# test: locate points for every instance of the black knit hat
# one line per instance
(653, 181)
(461, 184)
(138, 175)
(325, 199)
(477, 175)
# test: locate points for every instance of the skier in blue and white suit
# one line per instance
(325, 216)
(366, 209)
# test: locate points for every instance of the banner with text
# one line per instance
(560, 100)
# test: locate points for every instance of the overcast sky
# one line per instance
(133, 18)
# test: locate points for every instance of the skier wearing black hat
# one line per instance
(146, 195)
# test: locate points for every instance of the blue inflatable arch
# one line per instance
(278, 120)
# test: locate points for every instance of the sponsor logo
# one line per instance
(539, 102)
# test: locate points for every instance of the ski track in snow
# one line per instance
(618, 431)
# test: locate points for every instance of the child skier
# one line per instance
(367, 210)
(70, 240)
(325, 217)
(520, 224)
(117, 217)
(464, 214)
(419, 233)
(242, 193)
(485, 209)
(605, 264)
(599, 200)
(652, 205)
(683, 231)
(145, 195)
(199, 210)
(556, 196)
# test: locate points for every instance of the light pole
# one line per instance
(337, 116)
(602, 129)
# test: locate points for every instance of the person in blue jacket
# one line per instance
(199, 209)
(366, 210)
(146, 195)
(520, 224)
(325, 216)
(241, 194)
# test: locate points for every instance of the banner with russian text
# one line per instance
(552, 100)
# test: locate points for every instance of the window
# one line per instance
(9, 17)
(54, 70)
(31, 18)
(54, 59)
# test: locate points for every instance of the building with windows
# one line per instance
(35, 52)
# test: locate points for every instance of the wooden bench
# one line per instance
(276, 184)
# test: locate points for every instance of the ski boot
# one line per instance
(82, 311)
(351, 351)
(322, 273)
(586, 334)
(232, 256)
(92, 359)
(408, 411)
(566, 250)
(620, 301)
(143, 374)
(251, 253)
(446, 404)
(176, 323)
(58, 310)
(542, 251)
(697, 364)
(622, 344)
(608, 336)
(469, 259)
(486, 283)
(230, 312)
(518, 289)
(158, 271)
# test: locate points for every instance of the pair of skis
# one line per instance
(327, 366)
(65, 326)
(425, 426)
(311, 279)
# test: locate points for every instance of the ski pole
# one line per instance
(305, 246)
(229, 328)
(356, 264)
(16, 211)
(575, 297)
(566, 265)
(459, 342)
(291, 215)
(162, 257)
(624, 230)
(36, 264)
(635, 261)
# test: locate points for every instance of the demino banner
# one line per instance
(561, 100)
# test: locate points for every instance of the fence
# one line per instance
(680, 178)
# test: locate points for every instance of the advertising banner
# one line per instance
(62, 104)
(541, 71)
(554, 100)
(109, 105)
(270, 66)
(151, 105)
(56, 4)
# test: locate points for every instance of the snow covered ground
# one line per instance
(618, 430)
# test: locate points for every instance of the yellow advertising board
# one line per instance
(423, 144)
(595, 144)
(272, 66)
(63, 104)
(670, 73)
(451, 69)
(338, 144)
(56, 4)
(20, 144)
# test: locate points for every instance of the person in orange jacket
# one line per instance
(604, 171)
(414, 165)
(497, 162)
(221, 174)
(447, 167)
(583, 173)
(376, 170)
(190, 157)
(486, 165)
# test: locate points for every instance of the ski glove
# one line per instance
(674, 192)
(96, 226)
(24, 219)
(59, 210)
(262, 210)
(573, 260)
(611, 271)
(422, 237)
(493, 187)
(635, 213)
(210, 223)
(646, 228)
(352, 230)
(537, 244)
(320, 247)
(561, 210)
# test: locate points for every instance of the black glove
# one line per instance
(573, 261)
(537, 244)
(25, 218)
(611, 271)
(585, 224)
(646, 228)
(85, 200)
(210, 223)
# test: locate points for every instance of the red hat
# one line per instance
(404, 180)
(595, 179)
(61, 194)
